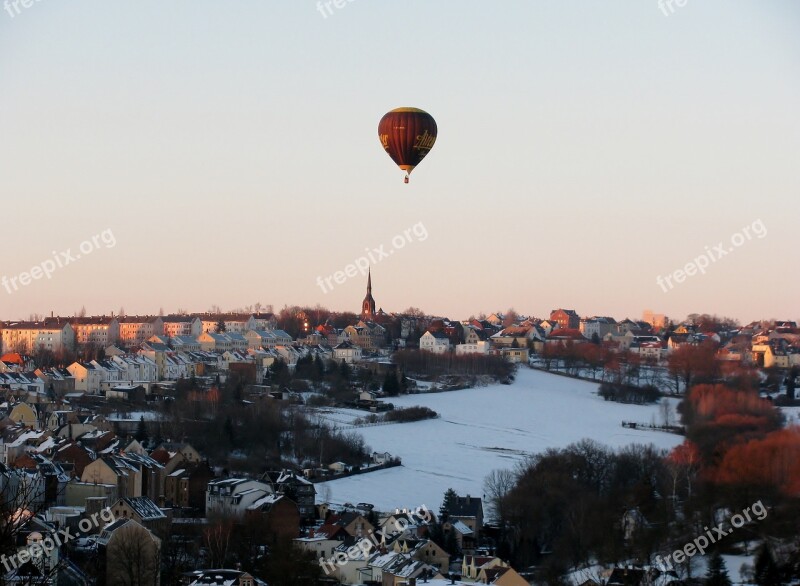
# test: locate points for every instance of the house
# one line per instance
(598, 326)
(232, 496)
(277, 516)
(260, 339)
(213, 341)
(515, 336)
(297, 488)
(130, 553)
(145, 512)
(35, 570)
(18, 381)
(397, 569)
(57, 419)
(321, 545)
(57, 381)
(185, 344)
(186, 487)
(28, 336)
(564, 336)
(191, 455)
(24, 414)
(73, 456)
(138, 329)
(566, 318)
(475, 342)
(239, 323)
(222, 578)
(100, 331)
(117, 471)
(348, 352)
(435, 342)
(423, 550)
(131, 393)
(468, 510)
(87, 376)
(182, 325)
(515, 355)
(501, 576)
(472, 566)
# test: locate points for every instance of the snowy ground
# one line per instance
(485, 428)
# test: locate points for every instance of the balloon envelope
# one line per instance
(407, 134)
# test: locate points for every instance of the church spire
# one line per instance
(368, 305)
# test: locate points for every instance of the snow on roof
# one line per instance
(269, 499)
(461, 528)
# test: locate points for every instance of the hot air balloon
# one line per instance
(407, 134)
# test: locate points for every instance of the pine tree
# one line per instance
(390, 385)
(767, 572)
(319, 369)
(344, 370)
(717, 573)
(227, 428)
(221, 327)
(449, 500)
(790, 384)
(141, 431)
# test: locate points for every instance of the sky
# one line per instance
(223, 154)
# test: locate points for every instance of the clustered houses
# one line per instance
(652, 338)
(359, 546)
(68, 464)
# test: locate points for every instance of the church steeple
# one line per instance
(368, 306)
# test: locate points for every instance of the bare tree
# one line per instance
(217, 537)
(667, 415)
(497, 485)
(133, 556)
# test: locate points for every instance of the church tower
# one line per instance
(368, 306)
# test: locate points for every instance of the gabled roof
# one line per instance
(466, 506)
(144, 507)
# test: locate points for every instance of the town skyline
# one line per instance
(626, 145)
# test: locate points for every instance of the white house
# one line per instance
(232, 496)
(348, 352)
(435, 342)
(87, 377)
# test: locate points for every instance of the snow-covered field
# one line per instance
(486, 428)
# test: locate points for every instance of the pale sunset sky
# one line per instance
(231, 148)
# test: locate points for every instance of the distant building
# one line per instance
(435, 342)
(368, 305)
(101, 331)
(566, 318)
(232, 496)
(53, 334)
(182, 325)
